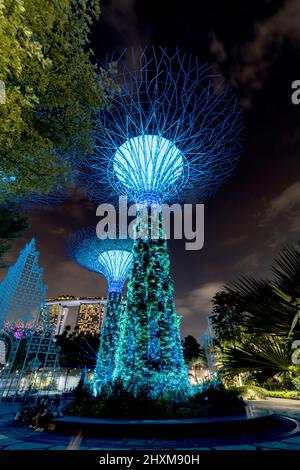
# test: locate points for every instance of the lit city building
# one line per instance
(82, 314)
(90, 318)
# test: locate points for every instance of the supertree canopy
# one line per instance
(113, 259)
(174, 126)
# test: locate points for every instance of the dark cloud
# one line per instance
(251, 61)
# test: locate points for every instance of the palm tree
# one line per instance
(287, 273)
(273, 306)
(271, 319)
(287, 270)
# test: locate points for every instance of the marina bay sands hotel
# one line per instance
(81, 314)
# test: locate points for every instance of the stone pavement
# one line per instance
(16, 437)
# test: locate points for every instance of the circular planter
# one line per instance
(252, 419)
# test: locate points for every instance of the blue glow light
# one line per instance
(7, 179)
(5, 183)
(148, 165)
(116, 266)
(111, 258)
(173, 128)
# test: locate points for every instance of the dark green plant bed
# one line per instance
(289, 394)
(251, 392)
(118, 403)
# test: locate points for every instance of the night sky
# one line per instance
(256, 44)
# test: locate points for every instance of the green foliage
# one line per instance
(273, 306)
(227, 317)
(52, 91)
(117, 402)
(251, 392)
(218, 400)
(191, 349)
(12, 225)
(289, 394)
(268, 354)
(266, 315)
(284, 382)
(78, 349)
(267, 308)
(296, 381)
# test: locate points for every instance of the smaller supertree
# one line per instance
(113, 259)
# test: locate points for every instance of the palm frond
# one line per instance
(267, 308)
(266, 353)
(287, 270)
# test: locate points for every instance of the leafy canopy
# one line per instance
(52, 91)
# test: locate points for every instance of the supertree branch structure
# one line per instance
(113, 259)
(110, 257)
(174, 126)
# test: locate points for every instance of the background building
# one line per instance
(82, 314)
(90, 318)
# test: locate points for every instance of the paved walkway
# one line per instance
(16, 437)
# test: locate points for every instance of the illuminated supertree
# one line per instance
(173, 126)
(173, 129)
(112, 259)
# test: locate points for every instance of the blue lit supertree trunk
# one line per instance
(173, 127)
(109, 341)
(112, 259)
(150, 357)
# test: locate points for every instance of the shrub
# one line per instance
(118, 402)
(290, 394)
(296, 383)
(251, 392)
(276, 384)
